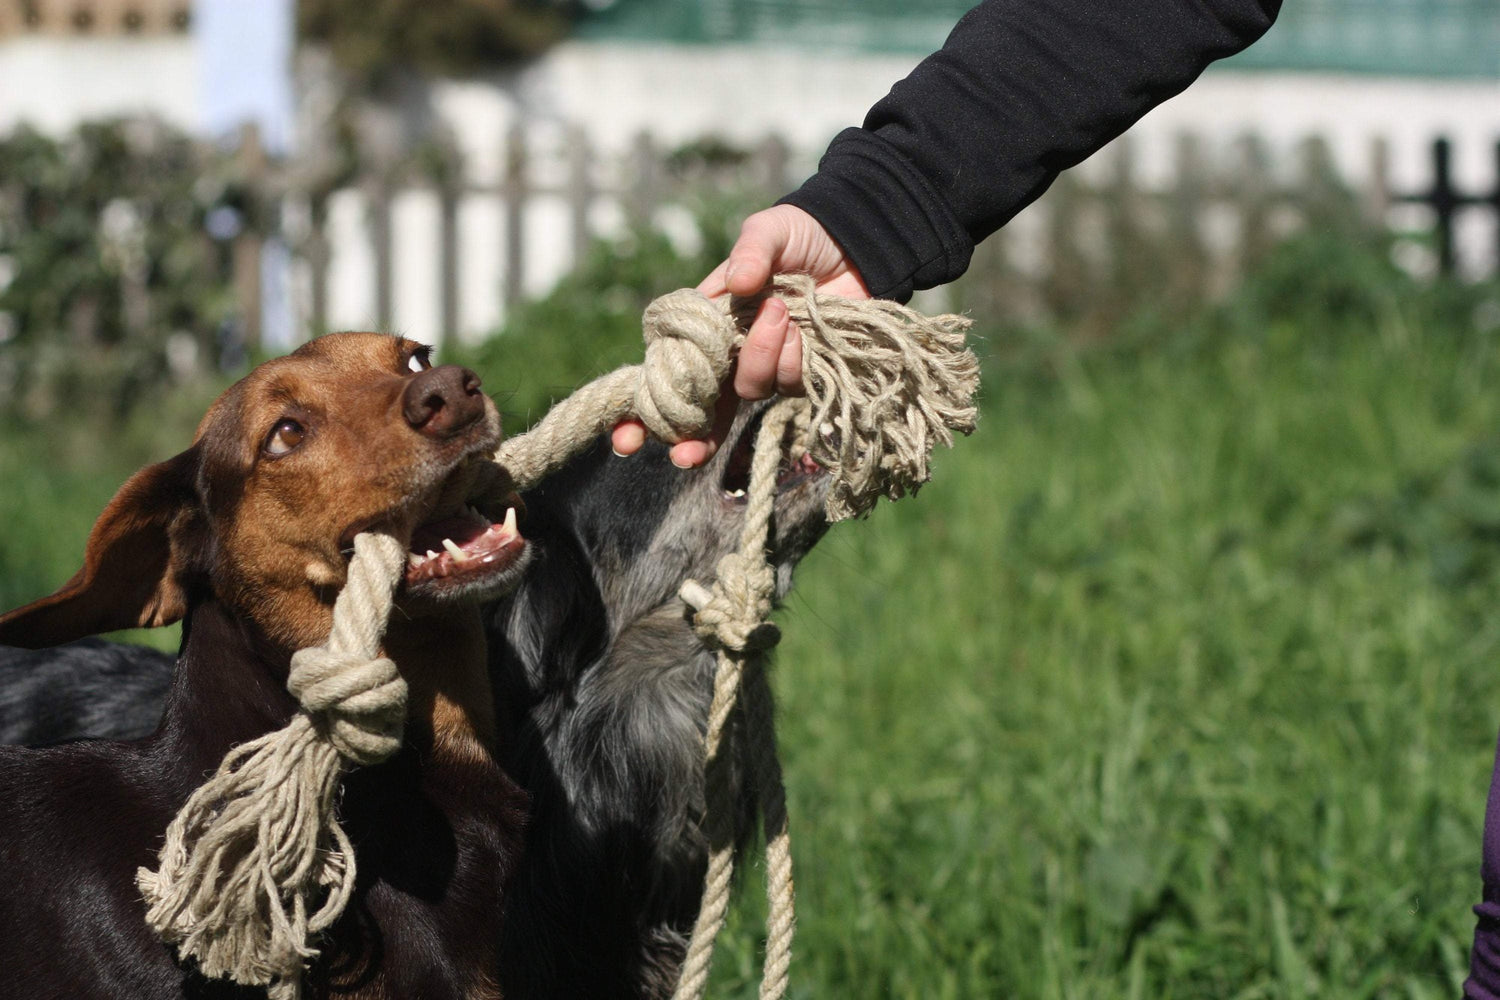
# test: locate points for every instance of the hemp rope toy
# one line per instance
(733, 617)
(247, 859)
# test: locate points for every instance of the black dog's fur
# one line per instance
(602, 690)
(87, 688)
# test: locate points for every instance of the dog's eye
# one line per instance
(285, 436)
(420, 360)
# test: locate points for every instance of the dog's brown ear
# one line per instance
(131, 565)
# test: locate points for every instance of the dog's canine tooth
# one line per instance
(509, 527)
(457, 553)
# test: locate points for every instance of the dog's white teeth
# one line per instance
(413, 560)
(509, 527)
(474, 513)
(458, 554)
(737, 493)
(431, 554)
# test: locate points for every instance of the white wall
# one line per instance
(53, 83)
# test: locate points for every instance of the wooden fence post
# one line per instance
(1444, 201)
(1254, 196)
(1132, 263)
(1377, 190)
(378, 208)
(1494, 202)
(775, 155)
(246, 253)
(1188, 199)
(448, 195)
(514, 193)
(580, 191)
(317, 254)
(641, 199)
(1066, 281)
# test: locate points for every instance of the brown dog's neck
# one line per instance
(230, 683)
(443, 657)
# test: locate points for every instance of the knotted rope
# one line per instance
(249, 856)
(887, 381)
(733, 617)
(257, 843)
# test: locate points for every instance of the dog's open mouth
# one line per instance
(465, 553)
(790, 473)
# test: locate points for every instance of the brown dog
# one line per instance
(245, 537)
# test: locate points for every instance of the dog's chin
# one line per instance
(801, 488)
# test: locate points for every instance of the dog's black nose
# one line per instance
(442, 401)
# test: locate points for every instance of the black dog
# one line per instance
(602, 691)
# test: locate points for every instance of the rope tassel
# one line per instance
(887, 384)
(258, 841)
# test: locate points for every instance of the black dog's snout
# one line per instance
(442, 401)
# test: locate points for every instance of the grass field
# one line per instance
(1181, 680)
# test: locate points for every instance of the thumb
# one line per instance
(763, 238)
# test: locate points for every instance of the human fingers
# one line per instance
(693, 453)
(758, 250)
(756, 367)
(627, 437)
(713, 286)
(789, 364)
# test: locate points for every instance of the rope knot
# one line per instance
(359, 702)
(734, 617)
(689, 340)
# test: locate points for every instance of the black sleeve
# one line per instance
(1022, 90)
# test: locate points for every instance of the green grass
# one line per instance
(56, 477)
(1181, 680)
(1166, 687)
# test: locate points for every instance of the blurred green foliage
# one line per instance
(590, 323)
(376, 40)
(105, 260)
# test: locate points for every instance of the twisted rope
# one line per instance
(259, 840)
(732, 616)
(257, 845)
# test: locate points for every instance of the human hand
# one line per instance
(779, 239)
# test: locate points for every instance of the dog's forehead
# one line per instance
(353, 352)
(321, 366)
(329, 363)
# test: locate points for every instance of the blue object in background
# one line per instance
(245, 67)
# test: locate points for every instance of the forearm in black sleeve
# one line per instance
(1022, 90)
